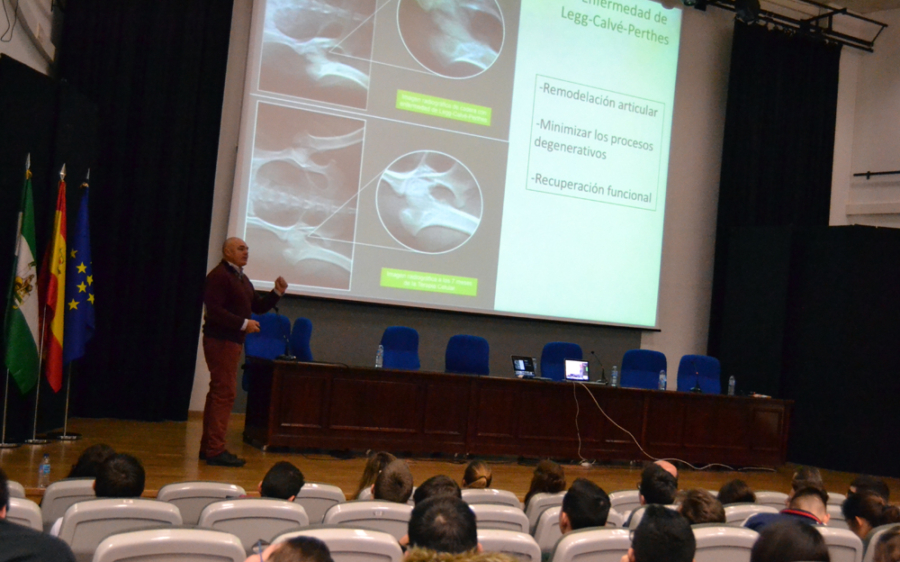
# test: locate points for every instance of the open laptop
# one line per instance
(523, 366)
(577, 371)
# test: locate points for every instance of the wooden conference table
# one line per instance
(337, 407)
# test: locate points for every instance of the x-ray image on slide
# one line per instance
(452, 38)
(429, 202)
(302, 201)
(318, 49)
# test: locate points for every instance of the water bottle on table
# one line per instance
(731, 384)
(614, 378)
(662, 379)
(379, 357)
(44, 472)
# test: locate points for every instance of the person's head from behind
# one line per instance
(864, 512)
(736, 491)
(870, 485)
(811, 500)
(657, 486)
(4, 494)
(283, 482)
(120, 476)
(374, 465)
(297, 549)
(477, 475)
(548, 478)
(789, 541)
(887, 548)
(443, 524)
(394, 483)
(435, 486)
(662, 536)
(699, 506)
(584, 505)
(90, 460)
(805, 477)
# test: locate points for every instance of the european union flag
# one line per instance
(79, 326)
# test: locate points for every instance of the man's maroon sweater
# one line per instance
(229, 298)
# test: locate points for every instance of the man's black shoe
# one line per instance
(225, 459)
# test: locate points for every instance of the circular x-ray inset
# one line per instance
(451, 38)
(429, 202)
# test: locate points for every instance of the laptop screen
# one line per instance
(577, 370)
(524, 366)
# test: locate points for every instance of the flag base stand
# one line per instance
(36, 441)
(58, 436)
(10, 445)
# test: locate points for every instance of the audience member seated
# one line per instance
(869, 484)
(394, 483)
(297, 549)
(657, 486)
(805, 477)
(548, 477)
(120, 476)
(477, 475)
(662, 536)
(374, 465)
(283, 482)
(789, 541)
(807, 506)
(736, 491)
(584, 505)
(668, 467)
(435, 486)
(699, 506)
(887, 549)
(865, 511)
(90, 460)
(21, 544)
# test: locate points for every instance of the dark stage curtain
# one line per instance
(156, 71)
(778, 146)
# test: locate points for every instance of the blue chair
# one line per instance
(641, 367)
(401, 348)
(266, 344)
(553, 359)
(700, 369)
(467, 355)
(300, 336)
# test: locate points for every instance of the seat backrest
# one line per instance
(86, 523)
(615, 519)
(700, 369)
(638, 514)
(192, 497)
(60, 495)
(16, 490)
(401, 348)
(389, 517)
(723, 543)
(641, 367)
(625, 500)
(521, 545)
(24, 512)
(352, 545)
(538, 504)
(491, 496)
(875, 535)
(493, 516)
(272, 338)
(155, 545)
(547, 532)
(778, 500)
(318, 498)
(553, 359)
(843, 545)
(737, 513)
(594, 545)
(837, 520)
(467, 355)
(300, 336)
(835, 498)
(253, 519)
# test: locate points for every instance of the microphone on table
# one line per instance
(696, 388)
(602, 378)
(288, 356)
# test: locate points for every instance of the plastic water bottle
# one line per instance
(731, 385)
(614, 377)
(379, 357)
(44, 472)
(662, 379)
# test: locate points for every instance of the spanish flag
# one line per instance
(53, 293)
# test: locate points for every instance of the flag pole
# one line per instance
(65, 435)
(3, 443)
(37, 391)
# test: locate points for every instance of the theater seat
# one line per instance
(521, 545)
(837, 520)
(737, 513)
(154, 545)
(723, 543)
(388, 517)
(192, 497)
(504, 517)
(875, 535)
(625, 501)
(638, 514)
(778, 500)
(24, 512)
(547, 532)
(538, 504)
(60, 495)
(317, 499)
(843, 545)
(253, 519)
(553, 359)
(352, 545)
(16, 490)
(491, 496)
(596, 545)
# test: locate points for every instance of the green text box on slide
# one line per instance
(443, 107)
(431, 282)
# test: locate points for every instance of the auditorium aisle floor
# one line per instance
(169, 452)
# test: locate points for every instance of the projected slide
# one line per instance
(495, 156)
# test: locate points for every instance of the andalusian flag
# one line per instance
(79, 285)
(53, 291)
(22, 357)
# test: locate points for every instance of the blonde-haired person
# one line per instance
(477, 475)
(374, 465)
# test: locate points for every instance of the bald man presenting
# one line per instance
(229, 298)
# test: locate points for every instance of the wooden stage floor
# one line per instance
(169, 452)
